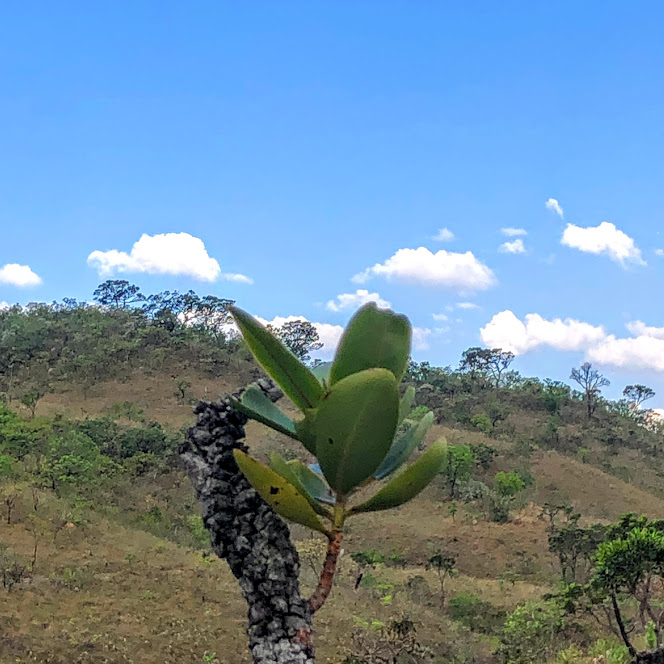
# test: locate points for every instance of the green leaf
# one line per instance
(290, 474)
(313, 482)
(406, 403)
(254, 403)
(374, 338)
(277, 492)
(404, 447)
(355, 427)
(305, 430)
(408, 484)
(288, 372)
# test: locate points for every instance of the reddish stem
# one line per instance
(326, 579)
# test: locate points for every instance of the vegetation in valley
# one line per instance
(515, 552)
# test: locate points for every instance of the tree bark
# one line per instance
(248, 534)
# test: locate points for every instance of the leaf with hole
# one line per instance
(290, 473)
(278, 493)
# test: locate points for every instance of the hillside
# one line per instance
(122, 571)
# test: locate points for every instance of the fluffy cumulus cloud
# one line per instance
(553, 205)
(508, 332)
(22, 276)
(659, 252)
(513, 232)
(4, 305)
(603, 239)
(644, 349)
(355, 300)
(443, 235)
(443, 269)
(165, 253)
(513, 247)
(642, 352)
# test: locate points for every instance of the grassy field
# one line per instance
(103, 589)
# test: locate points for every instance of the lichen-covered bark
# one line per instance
(248, 535)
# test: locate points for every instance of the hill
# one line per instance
(91, 482)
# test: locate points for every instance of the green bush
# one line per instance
(476, 614)
(533, 632)
(482, 422)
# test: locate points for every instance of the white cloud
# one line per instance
(22, 276)
(165, 253)
(640, 329)
(440, 317)
(420, 338)
(446, 269)
(642, 352)
(603, 239)
(513, 232)
(553, 205)
(355, 300)
(467, 305)
(443, 235)
(659, 252)
(513, 247)
(506, 331)
(4, 305)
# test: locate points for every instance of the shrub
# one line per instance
(532, 633)
(474, 613)
(482, 422)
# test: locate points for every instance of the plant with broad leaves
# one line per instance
(353, 422)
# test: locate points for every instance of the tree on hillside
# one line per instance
(591, 382)
(300, 337)
(628, 570)
(350, 424)
(491, 363)
(637, 394)
(117, 294)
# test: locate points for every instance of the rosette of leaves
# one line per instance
(352, 421)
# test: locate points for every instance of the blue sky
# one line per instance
(300, 144)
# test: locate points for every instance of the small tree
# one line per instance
(489, 363)
(300, 337)
(637, 394)
(31, 398)
(117, 294)
(444, 566)
(350, 423)
(591, 382)
(457, 466)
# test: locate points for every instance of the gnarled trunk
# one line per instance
(249, 536)
(654, 657)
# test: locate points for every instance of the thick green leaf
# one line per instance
(322, 371)
(277, 492)
(312, 482)
(355, 427)
(254, 403)
(305, 430)
(290, 474)
(374, 338)
(404, 447)
(408, 484)
(288, 372)
(406, 403)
